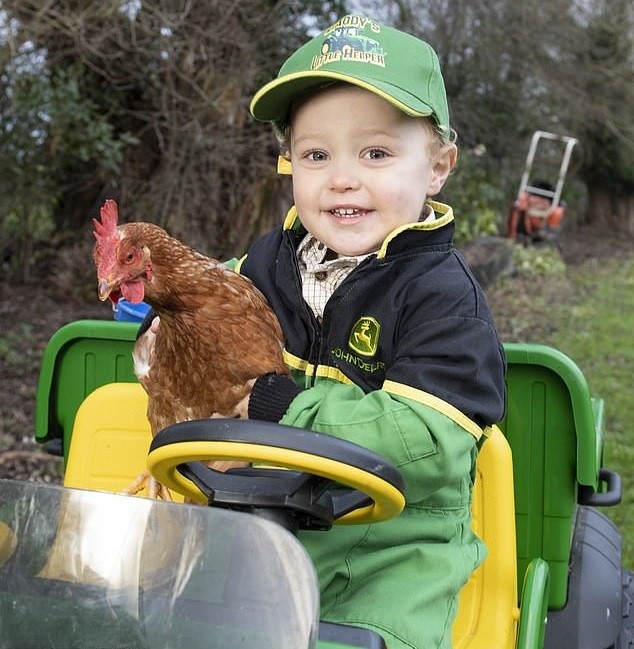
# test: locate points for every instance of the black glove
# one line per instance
(146, 324)
(271, 396)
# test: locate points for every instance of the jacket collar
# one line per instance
(444, 216)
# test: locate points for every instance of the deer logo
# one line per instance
(364, 337)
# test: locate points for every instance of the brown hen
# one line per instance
(216, 335)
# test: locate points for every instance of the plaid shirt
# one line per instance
(321, 276)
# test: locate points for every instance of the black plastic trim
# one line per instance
(587, 496)
(280, 436)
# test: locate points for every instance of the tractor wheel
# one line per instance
(626, 636)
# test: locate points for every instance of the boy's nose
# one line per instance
(343, 178)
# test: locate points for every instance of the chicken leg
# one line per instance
(154, 488)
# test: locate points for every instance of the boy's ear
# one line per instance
(443, 163)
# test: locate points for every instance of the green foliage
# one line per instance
(22, 228)
(47, 126)
(474, 196)
(77, 131)
(604, 59)
(538, 261)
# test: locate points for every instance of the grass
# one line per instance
(587, 312)
(596, 331)
(11, 353)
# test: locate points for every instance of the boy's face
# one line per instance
(361, 168)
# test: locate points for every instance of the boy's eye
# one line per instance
(316, 156)
(376, 154)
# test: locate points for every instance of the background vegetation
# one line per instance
(585, 308)
(147, 102)
(596, 333)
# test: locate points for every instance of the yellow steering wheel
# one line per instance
(325, 479)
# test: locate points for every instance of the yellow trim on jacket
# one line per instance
(438, 404)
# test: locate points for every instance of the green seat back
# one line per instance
(554, 429)
(79, 357)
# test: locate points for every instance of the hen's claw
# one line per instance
(154, 488)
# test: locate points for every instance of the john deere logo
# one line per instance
(364, 337)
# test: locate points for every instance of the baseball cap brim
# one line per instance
(273, 101)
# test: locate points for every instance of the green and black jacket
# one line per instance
(407, 351)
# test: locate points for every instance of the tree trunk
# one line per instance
(609, 210)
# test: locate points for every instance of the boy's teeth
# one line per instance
(348, 211)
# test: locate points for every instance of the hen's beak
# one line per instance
(105, 286)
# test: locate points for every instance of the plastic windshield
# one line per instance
(82, 569)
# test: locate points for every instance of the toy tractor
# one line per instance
(82, 566)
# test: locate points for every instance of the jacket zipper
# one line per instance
(315, 348)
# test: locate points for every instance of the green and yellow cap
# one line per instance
(398, 67)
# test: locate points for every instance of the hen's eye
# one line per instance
(129, 257)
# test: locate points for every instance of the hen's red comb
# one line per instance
(107, 236)
(106, 230)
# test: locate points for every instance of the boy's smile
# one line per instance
(361, 168)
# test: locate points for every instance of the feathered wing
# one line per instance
(203, 362)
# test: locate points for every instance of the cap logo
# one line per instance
(345, 41)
